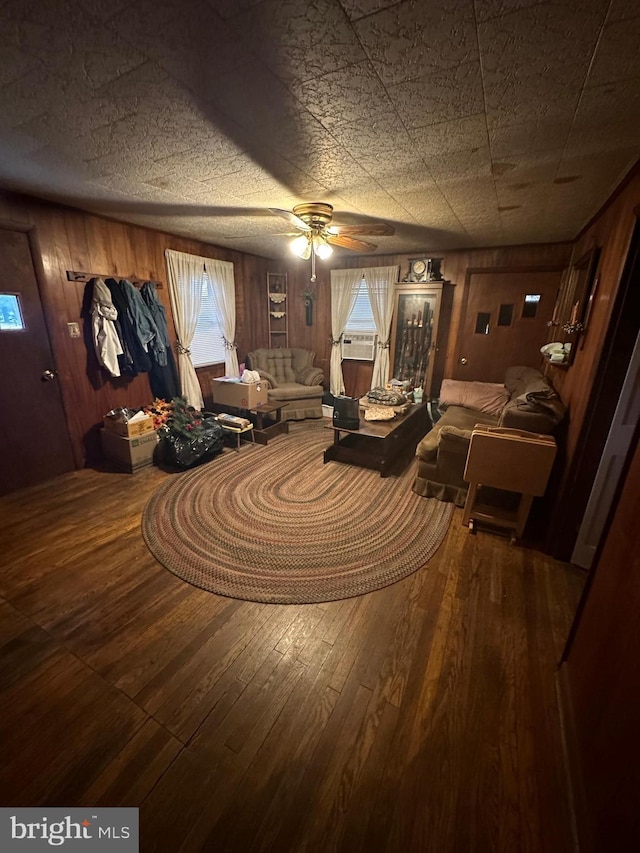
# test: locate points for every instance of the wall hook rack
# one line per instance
(73, 275)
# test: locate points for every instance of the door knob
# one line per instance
(463, 360)
(48, 375)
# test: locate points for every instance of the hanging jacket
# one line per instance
(106, 340)
(143, 323)
(160, 344)
(163, 376)
(135, 358)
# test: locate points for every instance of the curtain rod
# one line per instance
(86, 277)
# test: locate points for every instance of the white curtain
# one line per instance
(223, 291)
(380, 286)
(186, 277)
(344, 291)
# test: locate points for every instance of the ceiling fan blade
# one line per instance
(376, 229)
(351, 243)
(291, 217)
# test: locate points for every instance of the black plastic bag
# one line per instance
(185, 451)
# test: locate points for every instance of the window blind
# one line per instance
(361, 318)
(207, 346)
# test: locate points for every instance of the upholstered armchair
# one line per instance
(291, 379)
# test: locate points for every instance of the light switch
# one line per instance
(74, 330)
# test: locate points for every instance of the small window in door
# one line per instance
(505, 315)
(483, 321)
(530, 307)
(11, 319)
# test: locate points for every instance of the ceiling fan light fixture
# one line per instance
(301, 247)
(322, 249)
(319, 236)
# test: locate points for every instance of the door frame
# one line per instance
(614, 457)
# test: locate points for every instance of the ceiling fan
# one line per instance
(318, 235)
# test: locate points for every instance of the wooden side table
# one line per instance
(238, 431)
(264, 431)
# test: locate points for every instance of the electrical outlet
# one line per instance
(74, 330)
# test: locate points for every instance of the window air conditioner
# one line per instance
(359, 347)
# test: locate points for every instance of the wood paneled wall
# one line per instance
(71, 239)
(611, 231)
(357, 374)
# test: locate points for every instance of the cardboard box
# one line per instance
(239, 395)
(129, 454)
(142, 426)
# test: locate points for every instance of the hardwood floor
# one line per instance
(422, 717)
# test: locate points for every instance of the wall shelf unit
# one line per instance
(278, 310)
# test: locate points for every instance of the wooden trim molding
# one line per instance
(507, 268)
(577, 794)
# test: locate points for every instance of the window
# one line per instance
(530, 307)
(361, 318)
(10, 313)
(483, 322)
(505, 315)
(207, 346)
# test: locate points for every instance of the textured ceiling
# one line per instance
(459, 122)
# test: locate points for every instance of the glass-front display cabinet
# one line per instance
(415, 342)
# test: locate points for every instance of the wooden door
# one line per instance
(504, 321)
(34, 440)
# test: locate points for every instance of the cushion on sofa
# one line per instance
(490, 397)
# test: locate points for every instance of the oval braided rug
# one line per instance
(274, 524)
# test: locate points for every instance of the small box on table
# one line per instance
(129, 454)
(239, 395)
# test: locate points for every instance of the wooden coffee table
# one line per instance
(384, 446)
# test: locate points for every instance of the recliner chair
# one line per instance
(292, 379)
